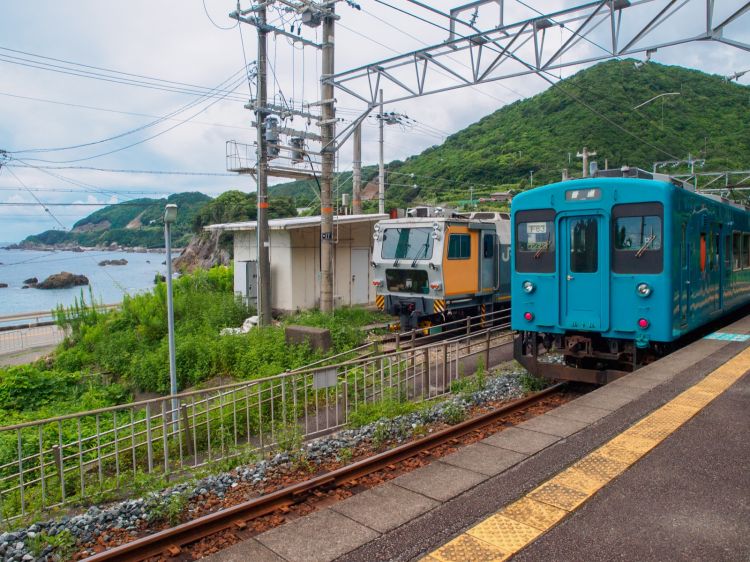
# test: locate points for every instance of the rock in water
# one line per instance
(63, 280)
(3, 285)
(114, 262)
(31, 281)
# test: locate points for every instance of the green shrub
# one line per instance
(530, 383)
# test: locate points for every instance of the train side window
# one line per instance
(736, 251)
(459, 247)
(745, 251)
(683, 247)
(703, 252)
(535, 241)
(584, 246)
(488, 246)
(727, 254)
(637, 238)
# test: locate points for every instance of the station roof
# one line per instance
(294, 222)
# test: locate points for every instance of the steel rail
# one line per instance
(192, 531)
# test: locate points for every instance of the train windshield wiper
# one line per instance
(543, 249)
(645, 246)
(422, 249)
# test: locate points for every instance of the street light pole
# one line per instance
(170, 215)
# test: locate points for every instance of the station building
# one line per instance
(295, 260)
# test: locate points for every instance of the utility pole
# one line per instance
(261, 232)
(585, 155)
(327, 131)
(357, 172)
(381, 186)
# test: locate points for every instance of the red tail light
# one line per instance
(643, 323)
(528, 316)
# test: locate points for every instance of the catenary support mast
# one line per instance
(327, 132)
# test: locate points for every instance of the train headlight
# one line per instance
(435, 235)
(528, 287)
(643, 289)
(435, 285)
(377, 282)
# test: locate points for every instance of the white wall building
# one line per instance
(295, 260)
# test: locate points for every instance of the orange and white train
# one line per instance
(431, 270)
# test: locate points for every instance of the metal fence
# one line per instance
(78, 457)
(13, 341)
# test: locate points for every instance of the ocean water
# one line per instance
(109, 283)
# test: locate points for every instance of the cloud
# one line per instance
(175, 41)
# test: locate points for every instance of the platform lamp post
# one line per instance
(170, 216)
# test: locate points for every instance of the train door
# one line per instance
(584, 278)
(488, 260)
(725, 266)
(684, 276)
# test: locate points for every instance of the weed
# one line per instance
(345, 455)
(454, 413)
(288, 436)
(169, 511)
(381, 435)
(392, 405)
(530, 383)
(63, 545)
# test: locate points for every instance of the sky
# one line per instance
(160, 86)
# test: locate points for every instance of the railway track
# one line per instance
(169, 542)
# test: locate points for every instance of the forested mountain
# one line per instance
(710, 119)
(138, 222)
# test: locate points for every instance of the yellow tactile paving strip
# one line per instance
(517, 525)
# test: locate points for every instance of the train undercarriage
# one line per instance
(586, 357)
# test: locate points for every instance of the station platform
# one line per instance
(650, 467)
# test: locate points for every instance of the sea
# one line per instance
(108, 283)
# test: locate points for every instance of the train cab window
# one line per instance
(584, 245)
(407, 244)
(535, 241)
(637, 238)
(736, 251)
(459, 247)
(745, 251)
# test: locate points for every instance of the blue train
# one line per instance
(613, 270)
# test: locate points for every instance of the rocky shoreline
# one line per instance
(114, 247)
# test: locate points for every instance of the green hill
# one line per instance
(138, 222)
(594, 108)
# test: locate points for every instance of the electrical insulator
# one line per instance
(298, 149)
(272, 136)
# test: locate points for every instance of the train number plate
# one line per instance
(536, 228)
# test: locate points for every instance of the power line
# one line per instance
(38, 202)
(121, 171)
(117, 75)
(205, 9)
(157, 121)
(120, 112)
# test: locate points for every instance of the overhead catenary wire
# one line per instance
(542, 75)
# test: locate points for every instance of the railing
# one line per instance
(77, 458)
(12, 341)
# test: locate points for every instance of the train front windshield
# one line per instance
(407, 244)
